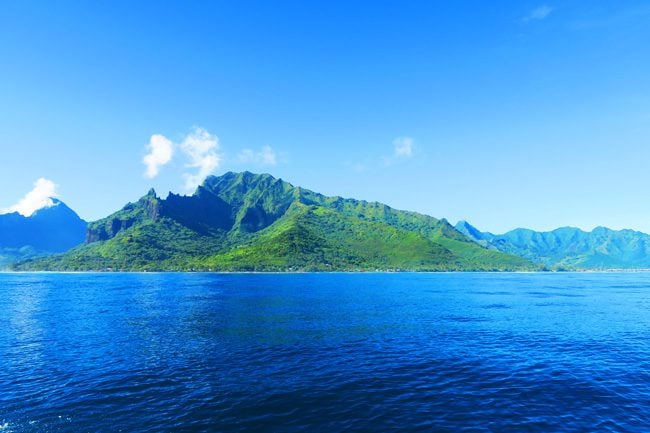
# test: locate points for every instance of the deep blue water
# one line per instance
(325, 352)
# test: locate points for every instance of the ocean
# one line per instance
(408, 352)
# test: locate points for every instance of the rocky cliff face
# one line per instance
(148, 208)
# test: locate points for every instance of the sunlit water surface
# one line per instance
(324, 352)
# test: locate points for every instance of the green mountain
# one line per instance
(570, 248)
(52, 229)
(250, 222)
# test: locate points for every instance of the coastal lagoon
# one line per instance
(446, 352)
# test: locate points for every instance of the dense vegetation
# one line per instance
(249, 222)
(570, 248)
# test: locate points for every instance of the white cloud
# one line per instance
(202, 152)
(201, 148)
(38, 198)
(403, 147)
(539, 13)
(266, 156)
(160, 150)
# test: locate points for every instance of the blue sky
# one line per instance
(506, 114)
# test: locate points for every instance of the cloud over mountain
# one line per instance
(38, 198)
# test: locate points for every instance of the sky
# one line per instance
(505, 113)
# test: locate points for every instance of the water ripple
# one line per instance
(353, 353)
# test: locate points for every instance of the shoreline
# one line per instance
(575, 271)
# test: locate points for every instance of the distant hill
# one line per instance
(255, 222)
(570, 248)
(50, 230)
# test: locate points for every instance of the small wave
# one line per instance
(496, 293)
(557, 304)
(496, 307)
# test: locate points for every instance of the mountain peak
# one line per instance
(245, 175)
(56, 208)
(53, 205)
(239, 177)
(51, 228)
(468, 230)
(240, 183)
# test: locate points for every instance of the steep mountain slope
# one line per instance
(244, 221)
(570, 247)
(53, 229)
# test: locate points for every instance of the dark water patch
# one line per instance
(542, 294)
(539, 294)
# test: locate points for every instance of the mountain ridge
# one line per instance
(256, 222)
(570, 247)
